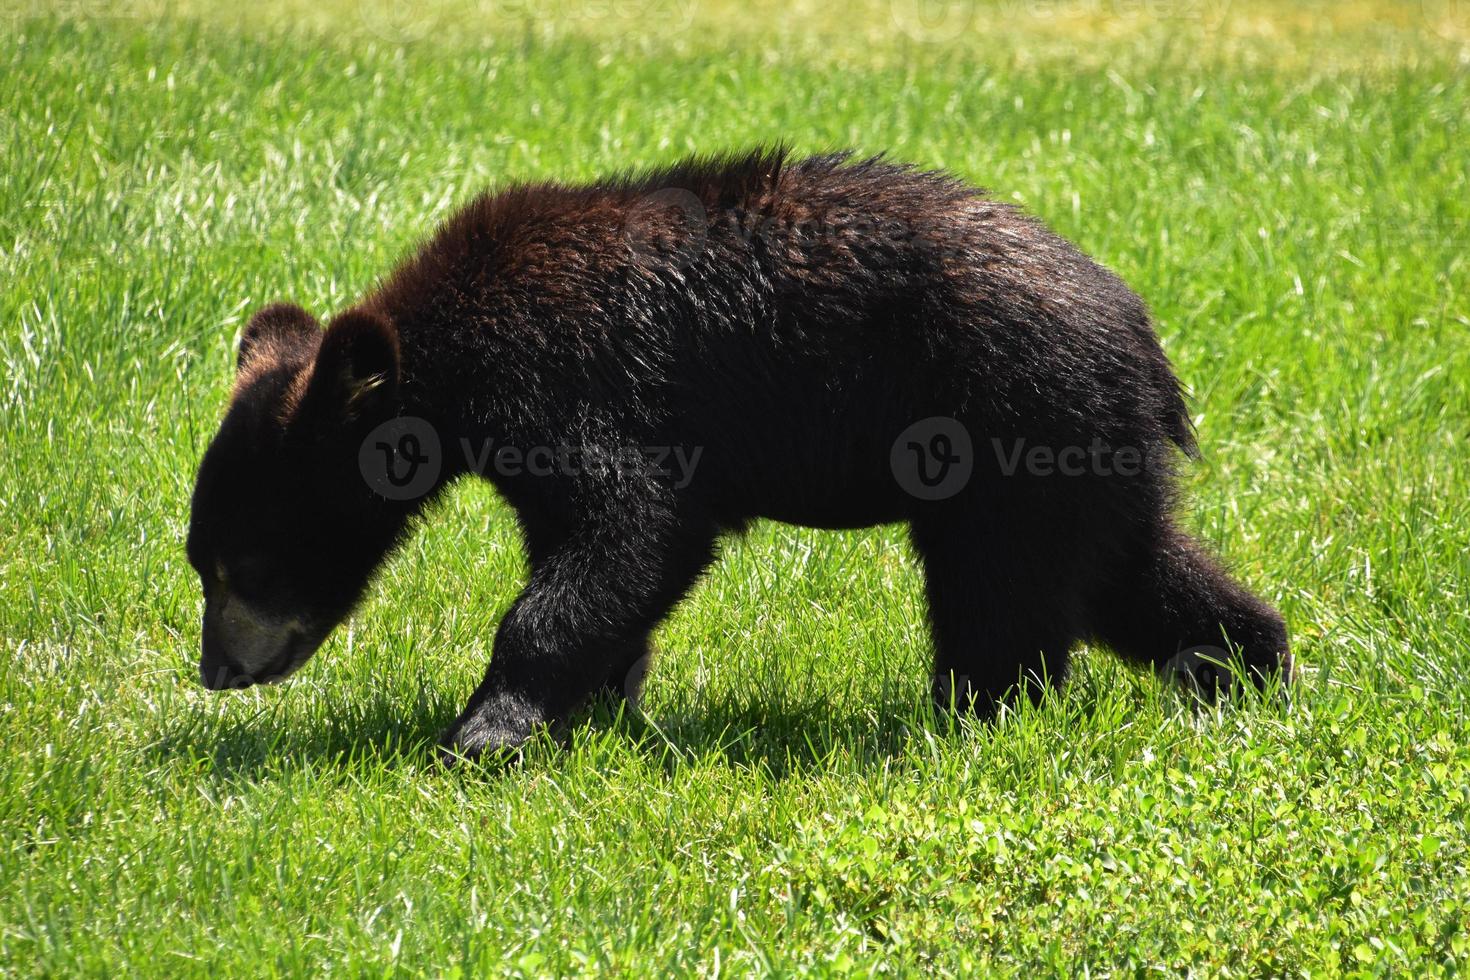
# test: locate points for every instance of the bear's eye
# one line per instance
(246, 577)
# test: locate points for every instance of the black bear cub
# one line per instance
(647, 363)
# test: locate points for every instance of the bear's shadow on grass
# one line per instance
(780, 735)
(379, 730)
(780, 738)
(375, 728)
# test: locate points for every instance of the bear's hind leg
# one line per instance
(1001, 628)
(1173, 608)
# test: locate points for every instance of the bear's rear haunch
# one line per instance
(645, 364)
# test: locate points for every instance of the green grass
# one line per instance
(1289, 194)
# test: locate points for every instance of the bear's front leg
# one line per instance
(547, 659)
(586, 607)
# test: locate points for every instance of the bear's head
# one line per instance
(284, 532)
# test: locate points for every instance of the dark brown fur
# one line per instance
(788, 319)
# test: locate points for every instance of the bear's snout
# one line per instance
(219, 674)
(240, 647)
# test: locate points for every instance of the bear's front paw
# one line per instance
(492, 729)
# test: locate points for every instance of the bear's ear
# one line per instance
(355, 376)
(277, 328)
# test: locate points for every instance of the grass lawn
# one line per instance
(1288, 189)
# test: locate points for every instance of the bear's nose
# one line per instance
(221, 676)
(217, 672)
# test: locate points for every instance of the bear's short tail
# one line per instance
(1176, 417)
